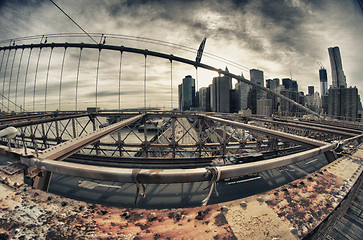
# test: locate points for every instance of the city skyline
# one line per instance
(281, 38)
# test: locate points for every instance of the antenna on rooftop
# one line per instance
(321, 65)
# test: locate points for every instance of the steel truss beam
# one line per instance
(277, 134)
(66, 149)
(302, 125)
(166, 176)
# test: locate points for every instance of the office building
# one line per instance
(323, 82)
(310, 90)
(290, 84)
(264, 107)
(272, 83)
(242, 90)
(204, 99)
(256, 94)
(188, 93)
(220, 94)
(343, 103)
(338, 77)
(180, 97)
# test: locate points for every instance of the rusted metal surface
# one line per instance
(30, 213)
(287, 212)
(294, 210)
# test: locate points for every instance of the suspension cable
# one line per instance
(145, 83)
(98, 69)
(11, 74)
(79, 64)
(17, 78)
(35, 78)
(72, 20)
(2, 59)
(26, 76)
(171, 84)
(119, 83)
(46, 80)
(6, 66)
(60, 80)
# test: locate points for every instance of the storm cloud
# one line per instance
(282, 37)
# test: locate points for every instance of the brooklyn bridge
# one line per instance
(77, 156)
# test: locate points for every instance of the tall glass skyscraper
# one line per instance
(323, 82)
(337, 73)
(256, 94)
(188, 93)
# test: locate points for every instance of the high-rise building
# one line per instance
(323, 82)
(220, 94)
(264, 107)
(272, 83)
(289, 89)
(256, 94)
(310, 90)
(204, 99)
(343, 103)
(188, 93)
(212, 95)
(180, 96)
(337, 73)
(242, 90)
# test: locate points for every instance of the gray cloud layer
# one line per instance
(279, 36)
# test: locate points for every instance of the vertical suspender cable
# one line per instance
(26, 76)
(35, 78)
(17, 79)
(11, 74)
(60, 80)
(79, 64)
(6, 66)
(98, 68)
(2, 59)
(46, 80)
(171, 84)
(145, 83)
(119, 84)
(197, 83)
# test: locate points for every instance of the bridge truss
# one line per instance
(128, 147)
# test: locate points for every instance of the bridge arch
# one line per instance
(146, 53)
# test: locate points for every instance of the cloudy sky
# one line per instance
(281, 37)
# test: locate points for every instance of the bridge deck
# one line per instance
(291, 211)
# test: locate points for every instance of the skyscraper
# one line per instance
(343, 103)
(204, 99)
(323, 82)
(188, 93)
(272, 83)
(256, 94)
(310, 90)
(242, 89)
(220, 94)
(337, 73)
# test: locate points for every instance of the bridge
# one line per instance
(56, 140)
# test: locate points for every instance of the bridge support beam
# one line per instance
(42, 182)
(330, 156)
